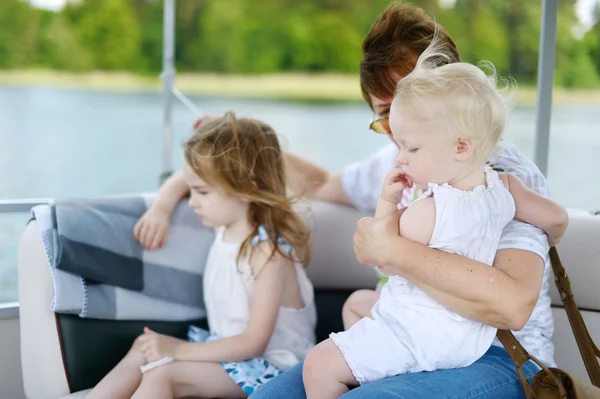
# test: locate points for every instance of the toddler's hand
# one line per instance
(152, 229)
(394, 184)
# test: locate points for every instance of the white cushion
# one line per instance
(42, 364)
(579, 252)
(334, 263)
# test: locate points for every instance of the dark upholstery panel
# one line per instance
(91, 348)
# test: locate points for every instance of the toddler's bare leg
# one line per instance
(357, 306)
(326, 374)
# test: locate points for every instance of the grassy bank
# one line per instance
(307, 87)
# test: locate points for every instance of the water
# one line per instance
(81, 144)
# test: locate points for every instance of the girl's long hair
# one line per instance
(243, 157)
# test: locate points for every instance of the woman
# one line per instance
(511, 295)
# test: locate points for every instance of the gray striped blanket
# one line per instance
(100, 271)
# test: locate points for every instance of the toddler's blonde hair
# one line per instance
(461, 96)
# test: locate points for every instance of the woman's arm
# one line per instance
(266, 300)
(502, 296)
(537, 210)
(309, 180)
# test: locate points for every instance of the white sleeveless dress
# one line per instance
(228, 287)
(411, 332)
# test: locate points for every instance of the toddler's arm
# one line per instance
(396, 181)
(418, 221)
(537, 210)
(416, 224)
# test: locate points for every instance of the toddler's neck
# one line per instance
(470, 179)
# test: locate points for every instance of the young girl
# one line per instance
(258, 298)
(447, 120)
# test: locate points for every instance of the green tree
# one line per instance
(59, 47)
(19, 33)
(591, 39)
(579, 71)
(110, 29)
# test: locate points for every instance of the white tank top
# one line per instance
(228, 288)
(467, 223)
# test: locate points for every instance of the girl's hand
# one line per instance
(152, 229)
(394, 184)
(155, 346)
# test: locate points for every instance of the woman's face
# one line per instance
(381, 106)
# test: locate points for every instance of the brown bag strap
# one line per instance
(589, 350)
(520, 356)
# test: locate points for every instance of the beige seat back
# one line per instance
(579, 252)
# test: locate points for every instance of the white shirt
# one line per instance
(362, 182)
(228, 287)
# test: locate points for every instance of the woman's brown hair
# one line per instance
(396, 39)
(242, 156)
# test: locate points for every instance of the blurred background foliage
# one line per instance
(270, 36)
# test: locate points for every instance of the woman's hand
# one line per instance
(204, 119)
(394, 184)
(155, 346)
(152, 229)
(374, 238)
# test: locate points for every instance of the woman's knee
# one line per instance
(288, 385)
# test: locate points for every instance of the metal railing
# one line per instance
(21, 205)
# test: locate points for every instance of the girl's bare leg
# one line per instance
(357, 306)
(188, 379)
(123, 380)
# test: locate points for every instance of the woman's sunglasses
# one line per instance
(381, 125)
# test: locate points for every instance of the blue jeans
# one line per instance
(493, 376)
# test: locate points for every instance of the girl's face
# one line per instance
(427, 152)
(212, 205)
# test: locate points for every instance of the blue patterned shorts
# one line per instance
(248, 374)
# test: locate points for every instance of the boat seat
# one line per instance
(64, 355)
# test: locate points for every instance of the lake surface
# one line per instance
(84, 144)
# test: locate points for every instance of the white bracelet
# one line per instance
(156, 363)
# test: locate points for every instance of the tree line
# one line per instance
(267, 36)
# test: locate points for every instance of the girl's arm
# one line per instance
(266, 300)
(152, 229)
(536, 209)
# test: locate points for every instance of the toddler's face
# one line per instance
(212, 205)
(427, 152)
